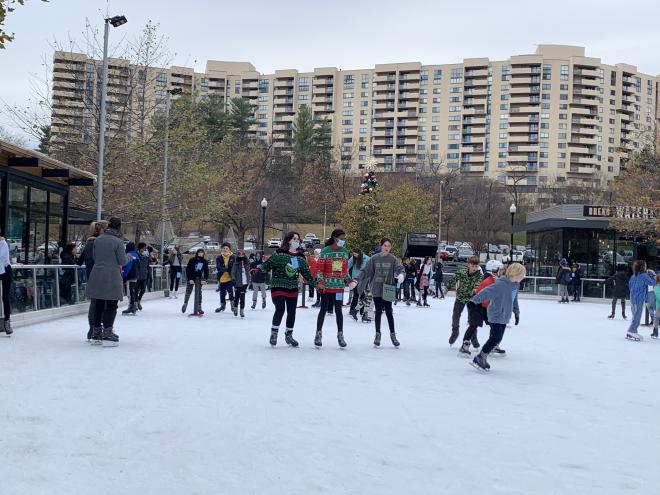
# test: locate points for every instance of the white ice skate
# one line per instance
(634, 336)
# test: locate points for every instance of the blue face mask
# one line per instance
(341, 242)
(294, 245)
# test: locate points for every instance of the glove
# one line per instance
(517, 319)
(401, 277)
(352, 285)
(320, 286)
(471, 305)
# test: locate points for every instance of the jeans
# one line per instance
(456, 315)
(256, 287)
(104, 313)
(226, 289)
(239, 296)
(650, 304)
(281, 303)
(197, 286)
(637, 310)
(496, 334)
(174, 280)
(383, 305)
(409, 289)
(329, 301)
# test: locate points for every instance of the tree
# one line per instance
(14, 139)
(6, 7)
(44, 141)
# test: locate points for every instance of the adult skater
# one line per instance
(656, 319)
(258, 282)
(563, 279)
(437, 277)
(381, 274)
(197, 273)
(425, 275)
(224, 262)
(620, 289)
(576, 281)
(240, 275)
(97, 228)
(105, 286)
(638, 284)
(356, 264)
(332, 278)
(130, 274)
(500, 295)
(286, 264)
(464, 281)
(175, 262)
(143, 273)
(477, 313)
(5, 278)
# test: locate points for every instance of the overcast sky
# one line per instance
(348, 34)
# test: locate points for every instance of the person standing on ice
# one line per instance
(356, 264)
(197, 273)
(175, 262)
(425, 274)
(638, 284)
(286, 265)
(563, 279)
(500, 295)
(105, 286)
(258, 282)
(465, 281)
(224, 262)
(656, 319)
(5, 278)
(620, 290)
(97, 228)
(381, 273)
(331, 279)
(240, 275)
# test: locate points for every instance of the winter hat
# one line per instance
(130, 247)
(317, 251)
(493, 265)
(377, 250)
(563, 262)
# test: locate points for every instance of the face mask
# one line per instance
(341, 242)
(294, 245)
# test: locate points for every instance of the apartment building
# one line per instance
(555, 115)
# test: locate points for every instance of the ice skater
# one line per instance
(465, 281)
(638, 284)
(240, 274)
(620, 290)
(258, 282)
(197, 273)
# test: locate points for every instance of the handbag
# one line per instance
(389, 290)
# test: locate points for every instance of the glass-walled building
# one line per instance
(583, 234)
(34, 198)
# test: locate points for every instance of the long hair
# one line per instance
(358, 261)
(639, 266)
(286, 242)
(335, 233)
(95, 228)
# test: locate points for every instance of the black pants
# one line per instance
(141, 289)
(409, 289)
(614, 300)
(6, 292)
(104, 312)
(425, 293)
(133, 292)
(456, 315)
(355, 299)
(197, 286)
(310, 292)
(496, 334)
(90, 312)
(227, 289)
(476, 317)
(281, 303)
(239, 296)
(174, 280)
(330, 301)
(381, 304)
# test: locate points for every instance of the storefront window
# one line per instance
(56, 204)
(17, 195)
(16, 233)
(37, 237)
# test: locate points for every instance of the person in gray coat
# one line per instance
(240, 274)
(105, 285)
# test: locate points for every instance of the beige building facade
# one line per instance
(555, 115)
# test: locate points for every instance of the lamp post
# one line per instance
(116, 21)
(264, 205)
(163, 212)
(442, 183)
(512, 210)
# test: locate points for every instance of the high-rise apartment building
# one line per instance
(553, 115)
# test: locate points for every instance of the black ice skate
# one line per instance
(89, 334)
(242, 313)
(5, 327)
(221, 308)
(273, 336)
(185, 306)
(109, 338)
(318, 339)
(263, 304)
(139, 306)
(611, 317)
(377, 339)
(654, 335)
(353, 313)
(464, 351)
(97, 335)
(365, 318)
(254, 304)
(234, 309)
(454, 336)
(288, 338)
(130, 311)
(475, 342)
(395, 342)
(340, 339)
(498, 352)
(480, 362)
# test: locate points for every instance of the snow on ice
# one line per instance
(206, 406)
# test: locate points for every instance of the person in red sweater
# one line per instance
(314, 268)
(477, 313)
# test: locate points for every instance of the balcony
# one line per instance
(586, 72)
(523, 148)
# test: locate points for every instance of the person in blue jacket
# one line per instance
(130, 275)
(638, 285)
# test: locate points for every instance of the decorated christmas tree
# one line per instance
(369, 183)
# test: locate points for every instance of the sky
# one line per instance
(347, 34)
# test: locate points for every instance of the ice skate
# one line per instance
(109, 338)
(419, 304)
(426, 305)
(634, 336)
(611, 317)
(89, 334)
(242, 313)
(139, 306)
(97, 335)
(318, 339)
(273, 336)
(498, 352)
(353, 313)
(221, 308)
(454, 336)
(254, 304)
(6, 328)
(464, 351)
(196, 313)
(366, 319)
(340, 339)
(288, 338)
(480, 362)
(184, 307)
(475, 342)
(395, 342)
(263, 304)
(130, 311)
(377, 339)
(234, 309)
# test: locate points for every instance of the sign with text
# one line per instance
(621, 212)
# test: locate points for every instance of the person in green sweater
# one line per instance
(331, 279)
(286, 265)
(465, 281)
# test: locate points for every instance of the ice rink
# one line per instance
(206, 406)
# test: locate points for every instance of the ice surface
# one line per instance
(206, 406)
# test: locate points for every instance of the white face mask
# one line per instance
(294, 245)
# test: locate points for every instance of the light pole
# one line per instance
(512, 210)
(442, 183)
(264, 205)
(116, 21)
(163, 200)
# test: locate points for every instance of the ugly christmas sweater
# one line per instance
(333, 269)
(286, 268)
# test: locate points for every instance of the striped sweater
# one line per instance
(333, 269)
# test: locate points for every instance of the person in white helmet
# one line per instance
(477, 312)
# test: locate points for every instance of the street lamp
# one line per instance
(264, 205)
(116, 21)
(512, 210)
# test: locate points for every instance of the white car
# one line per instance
(517, 256)
(275, 242)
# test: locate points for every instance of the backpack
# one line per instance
(566, 278)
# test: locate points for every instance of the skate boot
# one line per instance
(480, 362)
(139, 306)
(221, 308)
(611, 317)
(426, 305)
(242, 313)
(395, 342)
(201, 312)
(464, 351)
(288, 338)
(419, 304)
(109, 338)
(130, 311)
(634, 336)
(624, 316)
(234, 309)
(263, 304)
(353, 313)
(366, 319)
(407, 303)
(377, 339)
(7, 328)
(454, 336)
(184, 307)
(89, 334)
(97, 334)
(340, 339)
(273, 336)
(176, 295)
(254, 304)
(654, 335)
(475, 342)
(318, 339)
(498, 352)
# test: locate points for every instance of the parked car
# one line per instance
(517, 256)
(251, 238)
(451, 251)
(275, 242)
(492, 249)
(464, 254)
(312, 238)
(206, 238)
